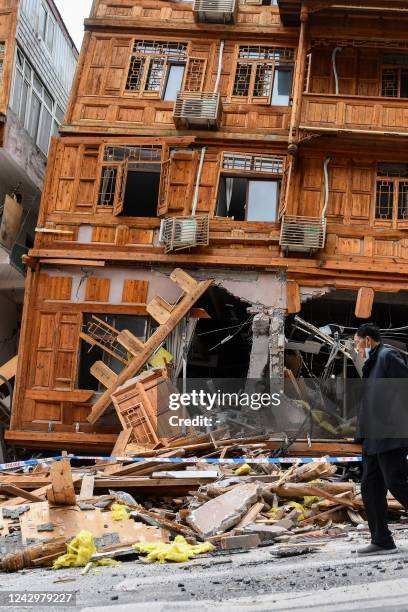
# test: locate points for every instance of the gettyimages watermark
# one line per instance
(215, 402)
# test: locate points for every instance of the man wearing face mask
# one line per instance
(385, 465)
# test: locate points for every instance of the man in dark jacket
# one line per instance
(383, 417)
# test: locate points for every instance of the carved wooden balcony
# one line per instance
(178, 233)
(302, 234)
(197, 109)
(215, 11)
(331, 113)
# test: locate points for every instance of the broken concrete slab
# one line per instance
(265, 533)
(245, 541)
(223, 512)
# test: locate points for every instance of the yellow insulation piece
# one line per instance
(243, 470)
(179, 550)
(119, 512)
(79, 553)
(293, 504)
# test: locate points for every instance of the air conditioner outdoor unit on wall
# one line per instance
(178, 233)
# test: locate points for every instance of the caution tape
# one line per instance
(190, 460)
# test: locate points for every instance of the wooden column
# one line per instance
(299, 81)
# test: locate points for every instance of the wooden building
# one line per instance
(259, 143)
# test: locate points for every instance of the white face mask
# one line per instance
(367, 352)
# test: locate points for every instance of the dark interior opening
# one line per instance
(88, 355)
(238, 199)
(142, 193)
(209, 356)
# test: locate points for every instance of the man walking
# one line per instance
(384, 409)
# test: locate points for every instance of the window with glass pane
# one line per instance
(35, 112)
(174, 81)
(392, 192)
(45, 131)
(394, 81)
(156, 67)
(50, 34)
(263, 198)
(23, 103)
(42, 24)
(264, 74)
(18, 87)
(282, 86)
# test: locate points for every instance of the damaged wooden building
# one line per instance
(259, 144)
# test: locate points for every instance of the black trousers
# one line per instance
(381, 473)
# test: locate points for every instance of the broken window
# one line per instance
(249, 188)
(130, 180)
(157, 68)
(88, 354)
(395, 75)
(264, 75)
(392, 192)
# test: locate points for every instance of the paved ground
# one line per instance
(332, 579)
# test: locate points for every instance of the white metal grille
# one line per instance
(302, 234)
(197, 109)
(178, 233)
(215, 11)
(253, 163)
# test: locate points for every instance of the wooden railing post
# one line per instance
(299, 81)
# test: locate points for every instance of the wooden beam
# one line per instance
(103, 373)
(293, 297)
(9, 369)
(17, 492)
(179, 311)
(365, 302)
(73, 262)
(62, 492)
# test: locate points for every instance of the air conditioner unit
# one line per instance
(302, 234)
(178, 233)
(215, 11)
(197, 109)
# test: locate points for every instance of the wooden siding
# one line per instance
(8, 21)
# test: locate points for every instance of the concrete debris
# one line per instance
(303, 507)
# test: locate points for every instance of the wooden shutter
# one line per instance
(66, 350)
(115, 75)
(120, 193)
(42, 363)
(362, 189)
(88, 176)
(181, 181)
(194, 74)
(162, 207)
(285, 187)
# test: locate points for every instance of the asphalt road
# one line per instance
(332, 579)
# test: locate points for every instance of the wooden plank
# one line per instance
(87, 486)
(8, 370)
(62, 490)
(130, 342)
(250, 516)
(293, 297)
(72, 262)
(150, 346)
(103, 373)
(16, 491)
(365, 302)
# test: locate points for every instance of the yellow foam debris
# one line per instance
(161, 358)
(119, 512)
(243, 470)
(79, 553)
(179, 550)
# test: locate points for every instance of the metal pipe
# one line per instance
(336, 76)
(220, 57)
(326, 185)
(197, 187)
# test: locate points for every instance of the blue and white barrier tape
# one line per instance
(211, 461)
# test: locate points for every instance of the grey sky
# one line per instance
(74, 12)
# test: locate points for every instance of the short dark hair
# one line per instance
(369, 330)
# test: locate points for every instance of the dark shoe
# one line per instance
(373, 549)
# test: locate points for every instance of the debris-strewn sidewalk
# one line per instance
(175, 511)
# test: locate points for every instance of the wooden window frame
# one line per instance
(255, 64)
(399, 69)
(254, 174)
(393, 221)
(147, 59)
(122, 167)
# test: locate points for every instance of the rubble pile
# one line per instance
(166, 510)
